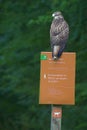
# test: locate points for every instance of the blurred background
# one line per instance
(24, 33)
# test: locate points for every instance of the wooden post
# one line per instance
(56, 115)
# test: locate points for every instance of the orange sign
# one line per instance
(56, 112)
(57, 79)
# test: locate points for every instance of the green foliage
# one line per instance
(24, 33)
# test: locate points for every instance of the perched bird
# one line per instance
(59, 33)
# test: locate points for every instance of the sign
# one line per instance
(57, 79)
(56, 116)
(56, 112)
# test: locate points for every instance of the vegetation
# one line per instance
(24, 33)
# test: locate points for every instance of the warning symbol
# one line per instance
(56, 112)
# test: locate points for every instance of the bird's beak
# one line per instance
(53, 15)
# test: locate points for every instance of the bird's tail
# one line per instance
(55, 51)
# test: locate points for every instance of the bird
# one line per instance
(59, 33)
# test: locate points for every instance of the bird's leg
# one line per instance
(55, 52)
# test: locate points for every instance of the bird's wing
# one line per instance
(56, 30)
(60, 39)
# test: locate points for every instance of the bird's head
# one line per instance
(57, 15)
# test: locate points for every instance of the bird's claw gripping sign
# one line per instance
(57, 79)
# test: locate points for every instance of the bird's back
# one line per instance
(59, 32)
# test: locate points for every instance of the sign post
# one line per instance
(57, 84)
(56, 115)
